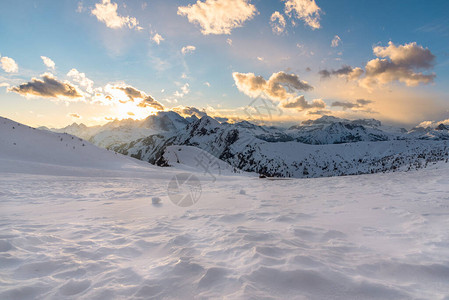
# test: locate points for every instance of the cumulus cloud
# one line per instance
(345, 71)
(399, 63)
(134, 95)
(82, 80)
(393, 63)
(48, 87)
(106, 12)
(229, 41)
(157, 38)
(9, 65)
(188, 49)
(336, 41)
(358, 104)
(48, 62)
(218, 16)
(301, 104)
(305, 10)
(279, 87)
(277, 22)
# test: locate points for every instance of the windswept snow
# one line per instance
(104, 236)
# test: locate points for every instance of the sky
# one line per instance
(93, 61)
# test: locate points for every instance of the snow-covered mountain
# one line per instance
(327, 146)
(251, 148)
(45, 150)
(124, 131)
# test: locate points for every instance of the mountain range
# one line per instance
(327, 146)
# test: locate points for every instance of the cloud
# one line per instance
(134, 95)
(336, 41)
(157, 38)
(218, 16)
(345, 71)
(184, 91)
(399, 63)
(279, 87)
(320, 112)
(187, 49)
(48, 87)
(301, 104)
(9, 65)
(357, 105)
(106, 12)
(229, 41)
(81, 79)
(48, 62)
(305, 10)
(74, 115)
(187, 111)
(277, 22)
(433, 124)
(207, 84)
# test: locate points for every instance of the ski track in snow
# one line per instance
(381, 236)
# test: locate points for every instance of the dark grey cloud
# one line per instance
(344, 71)
(48, 87)
(188, 111)
(358, 104)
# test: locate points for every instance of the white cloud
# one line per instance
(157, 38)
(306, 10)
(9, 65)
(48, 62)
(336, 41)
(277, 22)
(207, 84)
(188, 49)
(399, 63)
(106, 12)
(184, 91)
(218, 16)
(80, 8)
(81, 79)
(229, 41)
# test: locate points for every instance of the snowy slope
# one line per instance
(381, 236)
(20, 143)
(197, 160)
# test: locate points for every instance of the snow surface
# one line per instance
(97, 234)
